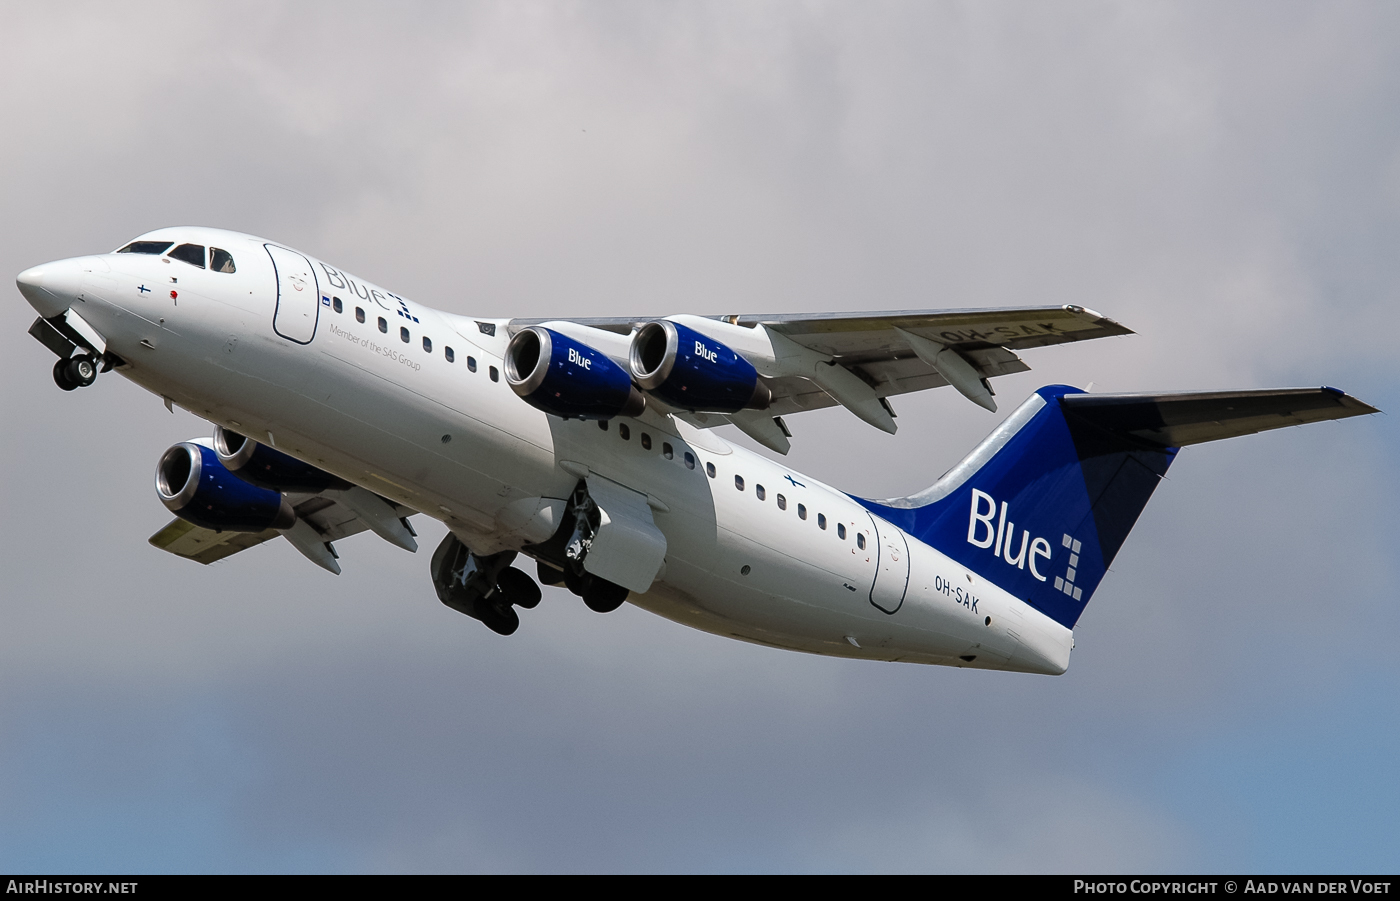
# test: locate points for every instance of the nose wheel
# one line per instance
(78, 372)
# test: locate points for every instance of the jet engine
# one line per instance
(265, 467)
(692, 372)
(559, 375)
(196, 487)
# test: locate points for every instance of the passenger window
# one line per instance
(689, 460)
(359, 314)
(821, 520)
(495, 374)
(782, 502)
(739, 482)
(646, 441)
(471, 364)
(447, 352)
(758, 490)
(427, 344)
(860, 540)
(841, 530)
(222, 261)
(336, 304)
(667, 452)
(383, 326)
(403, 334)
(189, 253)
(801, 511)
(709, 468)
(152, 247)
(624, 432)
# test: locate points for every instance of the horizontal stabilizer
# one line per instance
(1176, 420)
(1043, 505)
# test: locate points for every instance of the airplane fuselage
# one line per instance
(411, 403)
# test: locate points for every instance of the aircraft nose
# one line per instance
(50, 288)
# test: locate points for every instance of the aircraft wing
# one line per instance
(859, 335)
(893, 353)
(320, 520)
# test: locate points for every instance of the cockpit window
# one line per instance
(222, 261)
(152, 247)
(189, 253)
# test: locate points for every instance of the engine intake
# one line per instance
(195, 486)
(265, 467)
(693, 372)
(559, 375)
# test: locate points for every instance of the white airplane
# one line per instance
(340, 407)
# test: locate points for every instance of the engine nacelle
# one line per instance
(196, 487)
(559, 375)
(692, 372)
(265, 467)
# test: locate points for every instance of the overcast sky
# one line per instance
(1222, 178)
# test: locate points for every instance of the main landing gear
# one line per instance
(77, 372)
(488, 588)
(599, 595)
(484, 588)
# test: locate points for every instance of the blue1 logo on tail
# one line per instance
(1004, 532)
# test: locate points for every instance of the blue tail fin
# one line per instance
(1042, 506)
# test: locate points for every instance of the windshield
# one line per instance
(153, 247)
(221, 260)
(189, 253)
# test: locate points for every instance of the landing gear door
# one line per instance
(298, 295)
(628, 549)
(892, 573)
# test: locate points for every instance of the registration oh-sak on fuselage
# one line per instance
(588, 445)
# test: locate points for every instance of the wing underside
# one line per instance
(328, 521)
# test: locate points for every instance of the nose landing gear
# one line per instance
(78, 372)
